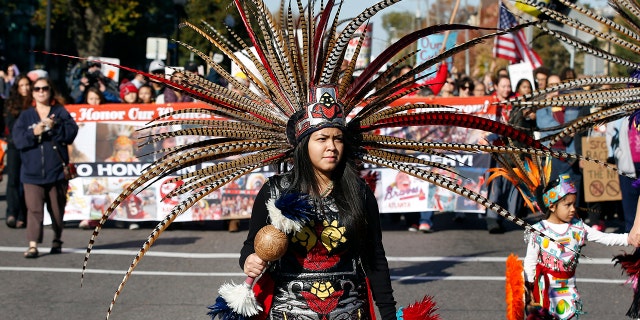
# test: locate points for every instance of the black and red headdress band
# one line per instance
(323, 111)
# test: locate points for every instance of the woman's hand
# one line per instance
(39, 128)
(48, 123)
(634, 234)
(254, 266)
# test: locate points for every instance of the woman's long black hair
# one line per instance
(16, 103)
(347, 187)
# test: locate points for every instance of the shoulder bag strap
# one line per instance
(55, 147)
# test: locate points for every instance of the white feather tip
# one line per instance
(240, 298)
(281, 222)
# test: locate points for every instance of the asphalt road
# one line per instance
(461, 265)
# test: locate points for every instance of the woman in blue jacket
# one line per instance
(37, 133)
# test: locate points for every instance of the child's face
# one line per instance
(131, 97)
(145, 94)
(564, 210)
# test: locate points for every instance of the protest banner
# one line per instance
(112, 149)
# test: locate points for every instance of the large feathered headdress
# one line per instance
(301, 86)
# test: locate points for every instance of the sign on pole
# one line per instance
(599, 184)
(157, 48)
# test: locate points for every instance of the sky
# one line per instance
(380, 36)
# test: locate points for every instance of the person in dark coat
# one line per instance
(42, 134)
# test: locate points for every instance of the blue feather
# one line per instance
(220, 308)
(295, 207)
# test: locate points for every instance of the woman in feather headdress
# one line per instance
(298, 90)
(340, 243)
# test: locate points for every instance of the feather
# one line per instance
(221, 308)
(454, 119)
(514, 291)
(424, 309)
(164, 224)
(290, 212)
(630, 264)
(332, 61)
(240, 299)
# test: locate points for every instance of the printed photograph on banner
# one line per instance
(443, 199)
(238, 196)
(401, 192)
(472, 179)
(115, 142)
(207, 208)
(78, 204)
(138, 206)
(146, 150)
(83, 148)
(166, 204)
(95, 189)
(204, 210)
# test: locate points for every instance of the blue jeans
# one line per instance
(629, 201)
(425, 217)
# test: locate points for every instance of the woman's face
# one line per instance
(464, 90)
(24, 88)
(93, 98)
(503, 89)
(524, 88)
(144, 94)
(478, 90)
(41, 92)
(325, 150)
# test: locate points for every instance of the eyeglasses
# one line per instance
(465, 88)
(451, 82)
(38, 89)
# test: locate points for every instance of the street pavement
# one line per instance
(461, 265)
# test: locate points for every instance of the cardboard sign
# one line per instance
(600, 184)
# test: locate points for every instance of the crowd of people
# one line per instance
(92, 87)
(89, 85)
(497, 87)
(36, 125)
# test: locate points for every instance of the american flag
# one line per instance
(513, 46)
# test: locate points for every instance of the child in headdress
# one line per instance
(549, 267)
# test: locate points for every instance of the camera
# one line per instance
(94, 77)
